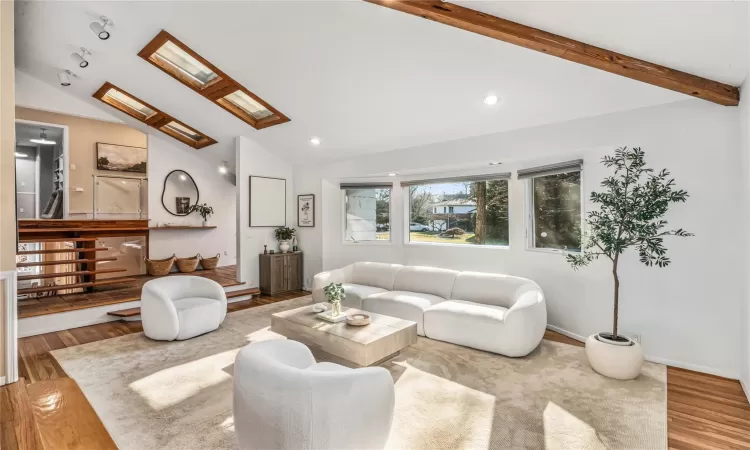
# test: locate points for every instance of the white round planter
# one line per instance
(622, 362)
(284, 246)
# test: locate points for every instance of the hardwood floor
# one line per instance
(110, 295)
(703, 411)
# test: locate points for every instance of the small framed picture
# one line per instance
(182, 205)
(306, 210)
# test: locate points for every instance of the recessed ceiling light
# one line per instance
(391, 174)
(495, 163)
(21, 155)
(315, 141)
(490, 100)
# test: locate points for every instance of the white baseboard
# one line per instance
(2, 381)
(32, 326)
(745, 387)
(659, 360)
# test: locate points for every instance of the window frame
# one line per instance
(378, 242)
(214, 90)
(529, 213)
(158, 120)
(407, 220)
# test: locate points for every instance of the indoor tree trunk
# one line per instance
(617, 296)
(481, 224)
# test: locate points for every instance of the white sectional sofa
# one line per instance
(496, 313)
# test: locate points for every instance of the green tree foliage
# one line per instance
(420, 198)
(382, 206)
(496, 210)
(631, 210)
(557, 211)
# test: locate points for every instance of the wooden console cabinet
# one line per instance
(280, 272)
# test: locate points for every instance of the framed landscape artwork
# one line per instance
(121, 158)
(306, 210)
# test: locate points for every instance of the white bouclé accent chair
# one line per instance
(181, 307)
(283, 399)
(493, 312)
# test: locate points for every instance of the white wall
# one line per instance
(687, 314)
(253, 159)
(164, 157)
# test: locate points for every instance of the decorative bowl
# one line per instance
(358, 320)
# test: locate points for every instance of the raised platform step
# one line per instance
(63, 287)
(62, 250)
(64, 261)
(64, 415)
(69, 274)
(132, 312)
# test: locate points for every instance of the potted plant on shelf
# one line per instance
(631, 210)
(204, 210)
(284, 235)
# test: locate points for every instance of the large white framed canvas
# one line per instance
(267, 202)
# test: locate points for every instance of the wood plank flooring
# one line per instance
(110, 295)
(703, 411)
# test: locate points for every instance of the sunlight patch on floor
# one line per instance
(173, 385)
(439, 413)
(563, 430)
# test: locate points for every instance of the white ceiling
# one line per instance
(368, 79)
(24, 132)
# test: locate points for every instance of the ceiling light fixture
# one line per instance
(495, 163)
(99, 28)
(65, 76)
(315, 141)
(21, 155)
(80, 58)
(223, 167)
(490, 100)
(43, 139)
(391, 174)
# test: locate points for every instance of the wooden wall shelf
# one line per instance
(184, 227)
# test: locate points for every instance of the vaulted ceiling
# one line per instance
(366, 78)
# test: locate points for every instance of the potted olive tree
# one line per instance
(630, 215)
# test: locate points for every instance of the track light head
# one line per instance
(80, 58)
(99, 29)
(65, 77)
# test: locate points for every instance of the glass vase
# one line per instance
(336, 309)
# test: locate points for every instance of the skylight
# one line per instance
(151, 116)
(185, 65)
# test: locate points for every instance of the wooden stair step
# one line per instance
(69, 274)
(63, 287)
(64, 261)
(242, 292)
(132, 312)
(63, 415)
(62, 250)
(58, 239)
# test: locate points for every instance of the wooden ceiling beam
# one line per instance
(569, 49)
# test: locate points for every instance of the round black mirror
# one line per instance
(180, 193)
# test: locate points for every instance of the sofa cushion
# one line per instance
(197, 315)
(466, 323)
(428, 280)
(379, 275)
(487, 288)
(354, 293)
(402, 304)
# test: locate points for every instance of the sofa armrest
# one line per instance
(527, 319)
(323, 279)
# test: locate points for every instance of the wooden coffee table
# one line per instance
(363, 346)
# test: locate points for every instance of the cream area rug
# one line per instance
(178, 395)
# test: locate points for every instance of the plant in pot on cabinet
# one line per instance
(284, 235)
(204, 211)
(631, 210)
